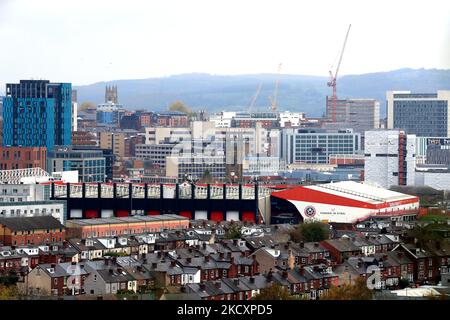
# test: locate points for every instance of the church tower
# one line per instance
(111, 94)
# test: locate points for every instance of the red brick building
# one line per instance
(83, 138)
(19, 231)
(22, 157)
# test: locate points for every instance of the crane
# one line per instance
(273, 100)
(254, 98)
(332, 81)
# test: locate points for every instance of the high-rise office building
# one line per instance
(317, 145)
(37, 113)
(389, 158)
(422, 114)
(359, 114)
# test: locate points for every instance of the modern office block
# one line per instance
(422, 114)
(37, 113)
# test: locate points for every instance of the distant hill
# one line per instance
(296, 92)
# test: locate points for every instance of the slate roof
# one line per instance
(31, 223)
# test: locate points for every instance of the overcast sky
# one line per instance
(86, 41)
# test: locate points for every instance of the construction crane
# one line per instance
(254, 98)
(332, 81)
(273, 100)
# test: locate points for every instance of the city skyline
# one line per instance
(101, 41)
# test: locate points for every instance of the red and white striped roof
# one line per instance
(347, 193)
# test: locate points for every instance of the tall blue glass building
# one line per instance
(37, 113)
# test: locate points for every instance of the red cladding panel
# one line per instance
(248, 216)
(122, 213)
(153, 213)
(187, 214)
(217, 216)
(91, 214)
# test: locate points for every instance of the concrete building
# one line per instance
(359, 114)
(291, 119)
(422, 114)
(389, 158)
(433, 176)
(54, 208)
(114, 141)
(316, 145)
(196, 167)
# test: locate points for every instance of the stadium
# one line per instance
(345, 202)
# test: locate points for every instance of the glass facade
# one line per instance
(425, 118)
(316, 145)
(37, 113)
(90, 164)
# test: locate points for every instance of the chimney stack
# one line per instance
(285, 274)
(154, 265)
(188, 259)
(302, 244)
(252, 279)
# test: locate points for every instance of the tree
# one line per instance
(8, 292)
(9, 279)
(180, 106)
(207, 177)
(86, 106)
(233, 232)
(356, 291)
(310, 231)
(274, 292)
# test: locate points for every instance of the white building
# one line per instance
(434, 176)
(291, 119)
(55, 208)
(389, 158)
